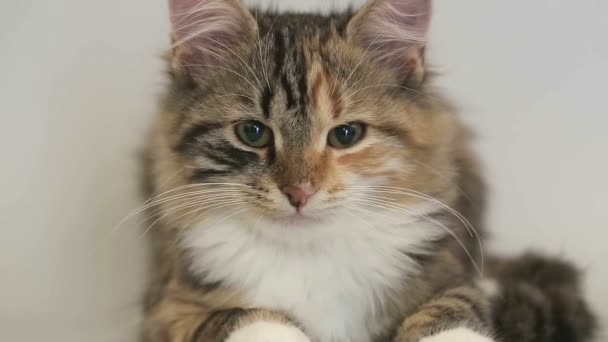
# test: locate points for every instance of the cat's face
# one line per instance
(295, 119)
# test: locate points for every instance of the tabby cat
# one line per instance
(309, 184)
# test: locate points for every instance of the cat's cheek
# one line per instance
(267, 332)
(458, 335)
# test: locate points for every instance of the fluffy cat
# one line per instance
(310, 185)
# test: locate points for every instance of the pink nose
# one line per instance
(298, 195)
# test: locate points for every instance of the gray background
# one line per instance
(78, 86)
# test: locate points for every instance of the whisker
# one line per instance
(214, 206)
(187, 186)
(421, 195)
(191, 194)
(145, 204)
(394, 208)
(417, 194)
(229, 215)
(211, 209)
(192, 201)
(258, 219)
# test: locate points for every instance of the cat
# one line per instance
(310, 185)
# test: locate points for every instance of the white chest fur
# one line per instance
(332, 278)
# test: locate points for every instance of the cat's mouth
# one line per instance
(298, 219)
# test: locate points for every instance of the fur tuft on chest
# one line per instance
(339, 282)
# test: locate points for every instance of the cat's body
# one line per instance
(311, 185)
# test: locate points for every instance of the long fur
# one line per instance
(389, 243)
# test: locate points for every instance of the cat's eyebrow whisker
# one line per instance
(367, 56)
(351, 103)
(261, 56)
(267, 37)
(364, 57)
(239, 95)
(407, 210)
(239, 57)
(390, 85)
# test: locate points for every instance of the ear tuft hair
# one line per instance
(394, 32)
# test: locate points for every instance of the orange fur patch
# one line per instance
(325, 96)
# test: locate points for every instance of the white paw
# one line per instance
(267, 332)
(458, 335)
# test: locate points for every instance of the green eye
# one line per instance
(254, 133)
(345, 136)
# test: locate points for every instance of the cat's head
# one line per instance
(295, 119)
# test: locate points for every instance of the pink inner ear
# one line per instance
(394, 28)
(206, 27)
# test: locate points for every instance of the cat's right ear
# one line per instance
(207, 31)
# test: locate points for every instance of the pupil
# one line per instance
(254, 132)
(345, 134)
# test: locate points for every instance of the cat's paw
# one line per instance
(458, 335)
(263, 331)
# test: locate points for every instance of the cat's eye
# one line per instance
(254, 133)
(345, 136)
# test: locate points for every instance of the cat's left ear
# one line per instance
(395, 33)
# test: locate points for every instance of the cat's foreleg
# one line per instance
(457, 315)
(233, 325)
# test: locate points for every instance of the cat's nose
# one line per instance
(298, 195)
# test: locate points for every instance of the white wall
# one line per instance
(78, 85)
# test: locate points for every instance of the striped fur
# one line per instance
(383, 250)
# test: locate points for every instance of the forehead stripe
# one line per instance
(267, 96)
(279, 52)
(291, 102)
(301, 69)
